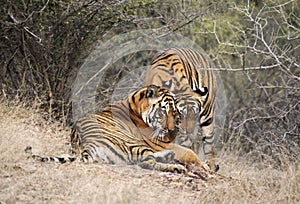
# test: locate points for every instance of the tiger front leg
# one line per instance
(149, 162)
(188, 156)
(208, 150)
(165, 156)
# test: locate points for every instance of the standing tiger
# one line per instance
(139, 129)
(187, 74)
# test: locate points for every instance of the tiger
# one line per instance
(188, 74)
(139, 129)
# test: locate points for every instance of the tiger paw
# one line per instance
(178, 168)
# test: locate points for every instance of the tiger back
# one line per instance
(188, 75)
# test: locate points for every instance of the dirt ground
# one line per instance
(23, 180)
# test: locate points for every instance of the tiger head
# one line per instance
(189, 109)
(156, 106)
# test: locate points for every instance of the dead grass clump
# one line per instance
(23, 180)
(256, 183)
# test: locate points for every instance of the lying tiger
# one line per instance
(137, 130)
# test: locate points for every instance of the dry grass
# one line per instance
(23, 180)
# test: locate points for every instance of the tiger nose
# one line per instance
(189, 121)
(171, 121)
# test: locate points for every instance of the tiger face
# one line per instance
(189, 109)
(157, 108)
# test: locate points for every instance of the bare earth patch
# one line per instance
(23, 180)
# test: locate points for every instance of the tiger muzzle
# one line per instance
(188, 122)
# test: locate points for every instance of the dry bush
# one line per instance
(43, 44)
(264, 117)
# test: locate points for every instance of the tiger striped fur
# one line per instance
(137, 130)
(187, 74)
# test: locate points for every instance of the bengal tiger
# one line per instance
(139, 129)
(188, 75)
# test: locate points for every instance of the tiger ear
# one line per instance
(152, 91)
